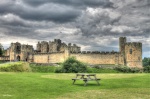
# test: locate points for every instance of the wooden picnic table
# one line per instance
(86, 78)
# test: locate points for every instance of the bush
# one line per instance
(16, 67)
(43, 69)
(59, 70)
(126, 69)
(101, 70)
(147, 69)
(71, 65)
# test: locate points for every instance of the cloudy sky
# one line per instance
(92, 24)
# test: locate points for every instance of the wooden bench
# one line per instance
(86, 78)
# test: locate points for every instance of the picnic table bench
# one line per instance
(86, 78)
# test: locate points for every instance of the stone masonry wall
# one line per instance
(133, 54)
(97, 58)
(49, 58)
(90, 58)
(4, 58)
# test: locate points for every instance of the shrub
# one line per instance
(147, 69)
(58, 70)
(101, 70)
(16, 67)
(43, 69)
(126, 69)
(71, 65)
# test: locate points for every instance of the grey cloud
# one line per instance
(129, 22)
(75, 3)
(98, 22)
(50, 12)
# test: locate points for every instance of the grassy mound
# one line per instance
(15, 67)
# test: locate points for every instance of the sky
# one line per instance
(94, 25)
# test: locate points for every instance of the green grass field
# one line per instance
(59, 86)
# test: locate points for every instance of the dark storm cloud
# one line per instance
(49, 12)
(74, 3)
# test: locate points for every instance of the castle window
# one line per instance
(18, 49)
(130, 51)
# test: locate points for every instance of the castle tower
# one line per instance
(15, 51)
(44, 47)
(26, 50)
(122, 42)
(133, 54)
(58, 44)
(38, 47)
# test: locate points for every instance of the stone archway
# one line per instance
(18, 58)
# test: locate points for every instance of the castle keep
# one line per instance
(130, 53)
(56, 46)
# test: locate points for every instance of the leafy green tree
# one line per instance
(1, 50)
(146, 61)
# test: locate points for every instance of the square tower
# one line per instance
(122, 42)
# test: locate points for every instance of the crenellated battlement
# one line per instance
(39, 53)
(134, 44)
(26, 46)
(96, 52)
(56, 46)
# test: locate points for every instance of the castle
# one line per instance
(130, 53)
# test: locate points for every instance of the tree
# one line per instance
(146, 61)
(1, 50)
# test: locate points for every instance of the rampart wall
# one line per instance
(49, 58)
(4, 58)
(99, 57)
(86, 57)
(95, 58)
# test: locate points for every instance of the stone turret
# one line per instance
(38, 47)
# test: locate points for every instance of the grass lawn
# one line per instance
(59, 86)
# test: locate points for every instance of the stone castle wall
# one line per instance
(100, 58)
(96, 58)
(4, 58)
(90, 58)
(49, 58)
(130, 53)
